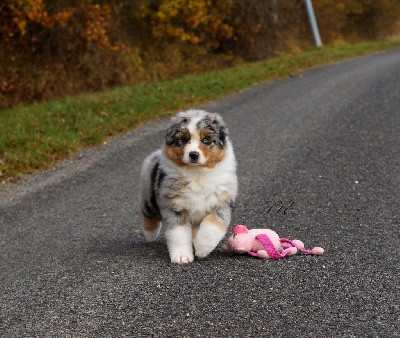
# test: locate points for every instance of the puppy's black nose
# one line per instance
(194, 156)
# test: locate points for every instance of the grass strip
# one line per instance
(37, 136)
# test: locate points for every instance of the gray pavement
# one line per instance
(73, 261)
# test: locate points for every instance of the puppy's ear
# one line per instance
(220, 128)
(223, 133)
(174, 127)
(170, 133)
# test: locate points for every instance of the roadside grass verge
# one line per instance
(37, 136)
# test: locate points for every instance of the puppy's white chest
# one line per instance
(200, 198)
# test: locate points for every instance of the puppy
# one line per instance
(189, 185)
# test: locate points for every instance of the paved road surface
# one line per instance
(73, 262)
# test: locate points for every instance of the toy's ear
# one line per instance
(240, 229)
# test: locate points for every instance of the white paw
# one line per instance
(181, 257)
(179, 242)
(207, 239)
(202, 253)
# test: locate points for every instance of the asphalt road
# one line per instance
(74, 263)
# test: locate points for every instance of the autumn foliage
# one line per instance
(53, 48)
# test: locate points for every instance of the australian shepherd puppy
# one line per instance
(189, 186)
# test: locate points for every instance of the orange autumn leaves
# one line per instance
(209, 23)
(193, 21)
(27, 20)
(50, 48)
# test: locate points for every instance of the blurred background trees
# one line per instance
(54, 48)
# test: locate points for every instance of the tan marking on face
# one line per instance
(187, 133)
(214, 219)
(174, 153)
(204, 133)
(213, 154)
(150, 224)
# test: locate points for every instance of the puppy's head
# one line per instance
(196, 138)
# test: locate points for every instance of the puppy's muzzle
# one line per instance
(194, 156)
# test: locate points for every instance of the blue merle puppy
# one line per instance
(189, 186)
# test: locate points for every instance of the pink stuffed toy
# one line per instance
(265, 243)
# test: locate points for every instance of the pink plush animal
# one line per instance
(265, 243)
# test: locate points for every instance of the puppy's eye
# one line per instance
(206, 140)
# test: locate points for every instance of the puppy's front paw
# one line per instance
(181, 256)
(179, 242)
(202, 252)
(211, 231)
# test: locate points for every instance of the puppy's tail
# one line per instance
(151, 228)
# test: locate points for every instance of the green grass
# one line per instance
(36, 136)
